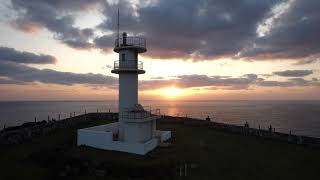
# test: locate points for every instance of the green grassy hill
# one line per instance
(208, 154)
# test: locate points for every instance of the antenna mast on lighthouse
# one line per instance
(118, 27)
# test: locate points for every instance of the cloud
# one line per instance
(21, 73)
(57, 17)
(226, 83)
(189, 29)
(109, 66)
(14, 70)
(195, 80)
(293, 73)
(291, 35)
(12, 55)
(293, 82)
(158, 77)
(308, 60)
(106, 42)
(4, 80)
(206, 30)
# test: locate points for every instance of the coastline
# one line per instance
(18, 134)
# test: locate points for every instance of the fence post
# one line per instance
(185, 169)
(289, 136)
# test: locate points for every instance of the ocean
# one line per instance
(299, 117)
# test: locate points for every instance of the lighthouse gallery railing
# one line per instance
(141, 114)
(128, 64)
(131, 41)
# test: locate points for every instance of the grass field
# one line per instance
(208, 154)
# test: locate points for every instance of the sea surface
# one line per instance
(301, 117)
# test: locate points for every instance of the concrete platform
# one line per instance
(103, 137)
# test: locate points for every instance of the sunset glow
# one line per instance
(166, 85)
(172, 92)
(179, 63)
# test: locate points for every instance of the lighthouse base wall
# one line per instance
(138, 132)
(103, 137)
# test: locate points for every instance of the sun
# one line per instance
(172, 92)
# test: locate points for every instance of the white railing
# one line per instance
(130, 41)
(128, 64)
(140, 114)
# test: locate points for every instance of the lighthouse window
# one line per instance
(123, 57)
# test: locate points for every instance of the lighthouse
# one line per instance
(135, 132)
(128, 67)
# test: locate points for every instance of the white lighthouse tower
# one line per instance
(134, 125)
(136, 130)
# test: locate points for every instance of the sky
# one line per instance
(196, 50)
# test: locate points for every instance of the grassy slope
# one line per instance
(216, 154)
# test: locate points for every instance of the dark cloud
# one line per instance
(189, 81)
(188, 28)
(275, 84)
(56, 16)
(293, 35)
(9, 81)
(214, 29)
(157, 78)
(227, 83)
(14, 72)
(293, 73)
(12, 55)
(293, 82)
(106, 42)
(203, 80)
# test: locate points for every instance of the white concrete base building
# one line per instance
(136, 130)
(102, 137)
